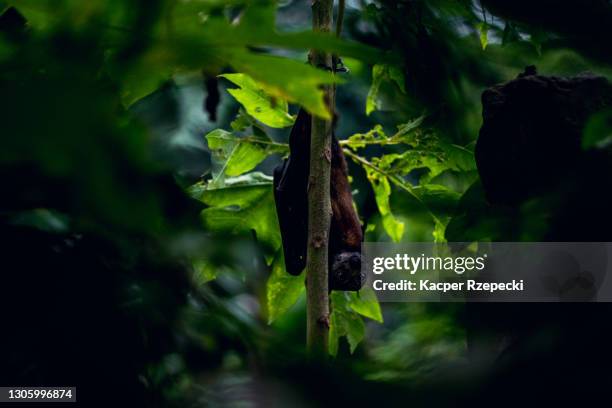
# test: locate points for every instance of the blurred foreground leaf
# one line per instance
(287, 79)
(204, 271)
(598, 131)
(483, 34)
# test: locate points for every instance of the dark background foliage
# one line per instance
(104, 108)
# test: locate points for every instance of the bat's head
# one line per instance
(345, 272)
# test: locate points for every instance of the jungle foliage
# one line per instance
(138, 140)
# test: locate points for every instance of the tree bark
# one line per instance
(319, 204)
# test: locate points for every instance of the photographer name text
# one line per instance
(427, 285)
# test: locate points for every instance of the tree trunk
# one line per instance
(319, 205)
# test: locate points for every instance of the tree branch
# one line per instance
(319, 204)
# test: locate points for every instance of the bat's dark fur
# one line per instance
(291, 196)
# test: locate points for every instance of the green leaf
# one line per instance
(243, 205)
(425, 151)
(258, 17)
(439, 198)
(439, 232)
(510, 34)
(44, 219)
(244, 158)
(366, 304)
(372, 101)
(393, 227)
(196, 190)
(269, 111)
(375, 136)
(459, 158)
(598, 131)
(537, 37)
(483, 30)
(405, 129)
(282, 289)
(396, 75)
(287, 79)
(382, 192)
(140, 78)
(344, 322)
(140, 82)
(254, 179)
(204, 272)
(380, 73)
(241, 121)
(234, 156)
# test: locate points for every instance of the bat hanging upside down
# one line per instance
(291, 197)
